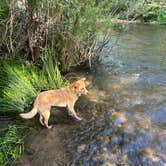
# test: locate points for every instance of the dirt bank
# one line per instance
(48, 147)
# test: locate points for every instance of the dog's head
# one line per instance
(79, 87)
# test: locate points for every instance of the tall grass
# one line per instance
(21, 82)
(11, 145)
(50, 71)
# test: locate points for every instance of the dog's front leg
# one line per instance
(72, 111)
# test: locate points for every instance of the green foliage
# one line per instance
(155, 13)
(127, 9)
(19, 90)
(68, 28)
(136, 9)
(161, 15)
(4, 8)
(11, 145)
(20, 82)
(78, 27)
(50, 72)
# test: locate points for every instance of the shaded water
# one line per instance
(132, 129)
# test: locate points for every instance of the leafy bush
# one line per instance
(68, 28)
(131, 10)
(127, 9)
(20, 82)
(161, 16)
(4, 8)
(11, 145)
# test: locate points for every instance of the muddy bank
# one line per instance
(48, 147)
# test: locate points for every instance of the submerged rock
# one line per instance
(97, 95)
(81, 148)
(147, 151)
(159, 116)
(118, 118)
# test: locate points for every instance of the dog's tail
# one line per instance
(30, 114)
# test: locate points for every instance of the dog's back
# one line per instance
(59, 97)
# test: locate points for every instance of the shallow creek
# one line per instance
(124, 113)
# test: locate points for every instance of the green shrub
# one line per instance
(4, 9)
(136, 9)
(127, 9)
(161, 18)
(68, 28)
(11, 145)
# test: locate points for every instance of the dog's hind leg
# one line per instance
(46, 115)
(41, 120)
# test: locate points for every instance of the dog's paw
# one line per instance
(70, 114)
(78, 118)
(49, 127)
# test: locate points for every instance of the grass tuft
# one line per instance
(11, 145)
(21, 83)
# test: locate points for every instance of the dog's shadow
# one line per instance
(59, 115)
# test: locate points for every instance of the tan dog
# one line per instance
(64, 97)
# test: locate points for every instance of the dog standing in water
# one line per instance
(64, 97)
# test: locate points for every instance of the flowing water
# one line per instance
(124, 113)
(132, 70)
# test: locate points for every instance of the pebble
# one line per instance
(81, 148)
